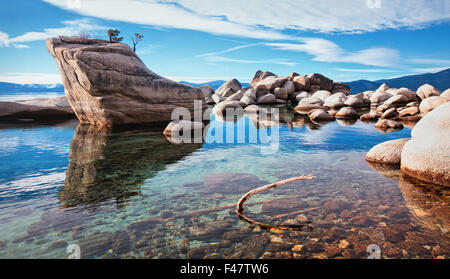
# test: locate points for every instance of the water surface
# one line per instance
(133, 194)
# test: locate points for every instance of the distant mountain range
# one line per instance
(440, 80)
(214, 84)
(6, 87)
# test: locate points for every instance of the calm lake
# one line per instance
(133, 194)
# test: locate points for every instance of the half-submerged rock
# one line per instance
(107, 84)
(427, 155)
(388, 152)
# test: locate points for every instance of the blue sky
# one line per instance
(205, 40)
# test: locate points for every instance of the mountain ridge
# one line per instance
(440, 80)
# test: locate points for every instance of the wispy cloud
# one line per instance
(167, 14)
(227, 50)
(367, 70)
(326, 51)
(70, 28)
(427, 61)
(215, 58)
(263, 18)
(429, 70)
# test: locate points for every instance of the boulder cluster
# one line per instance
(426, 155)
(322, 99)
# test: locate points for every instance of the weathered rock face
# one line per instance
(427, 155)
(107, 84)
(36, 109)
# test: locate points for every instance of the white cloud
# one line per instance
(70, 28)
(196, 79)
(215, 58)
(29, 78)
(429, 70)
(327, 51)
(427, 61)
(366, 70)
(4, 39)
(263, 18)
(167, 14)
(227, 50)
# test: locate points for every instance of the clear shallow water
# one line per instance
(133, 194)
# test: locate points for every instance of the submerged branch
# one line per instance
(240, 204)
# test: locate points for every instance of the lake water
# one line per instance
(133, 194)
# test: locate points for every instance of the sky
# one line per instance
(206, 40)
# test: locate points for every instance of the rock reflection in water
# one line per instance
(105, 164)
(427, 203)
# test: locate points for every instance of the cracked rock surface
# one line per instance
(107, 84)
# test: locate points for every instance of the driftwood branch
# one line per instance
(240, 204)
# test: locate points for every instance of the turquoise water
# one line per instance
(133, 194)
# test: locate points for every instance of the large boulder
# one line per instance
(409, 112)
(446, 94)
(260, 75)
(347, 113)
(340, 87)
(356, 101)
(336, 100)
(409, 94)
(388, 152)
(302, 95)
(319, 115)
(229, 88)
(107, 84)
(301, 83)
(270, 83)
(322, 94)
(431, 103)
(426, 91)
(321, 80)
(208, 92)
(36, 109)
(379, 97)
(427, 155)
(266, 99)
(388, 125)
(289, 86)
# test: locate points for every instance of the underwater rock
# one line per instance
(282, 205)
(96, 245)
(227, 183)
